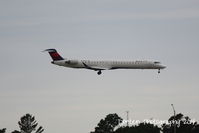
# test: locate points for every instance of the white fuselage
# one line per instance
(102, 65)
(108, 65)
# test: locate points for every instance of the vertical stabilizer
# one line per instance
(54, 54)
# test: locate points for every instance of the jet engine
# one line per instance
(71, 62)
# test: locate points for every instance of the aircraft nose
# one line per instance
(163, 67)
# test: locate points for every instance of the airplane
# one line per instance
(102, 65)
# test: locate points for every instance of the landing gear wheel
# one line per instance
(99, 72)
(158, 70)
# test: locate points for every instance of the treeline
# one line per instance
(175, 124)
(27, 124)
(112, 123)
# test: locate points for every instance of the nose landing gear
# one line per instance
(158, 70)
(99, 72)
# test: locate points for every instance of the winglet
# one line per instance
(54, 54)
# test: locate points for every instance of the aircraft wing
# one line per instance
(96, 68)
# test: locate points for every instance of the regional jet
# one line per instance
(102, 65)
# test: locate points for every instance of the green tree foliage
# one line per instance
(28, 124)
(15, 131)
(140, 128)
(3, 130)
(183, 125)
(108, 124)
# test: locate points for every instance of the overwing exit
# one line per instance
(99, 66)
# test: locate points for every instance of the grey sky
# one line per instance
(63, 98)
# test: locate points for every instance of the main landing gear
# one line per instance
(158, 70)
(99, 72)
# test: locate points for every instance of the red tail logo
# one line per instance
(54, 55)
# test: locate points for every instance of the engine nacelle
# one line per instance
(71, 62)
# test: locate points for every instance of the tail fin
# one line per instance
(54, 54)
